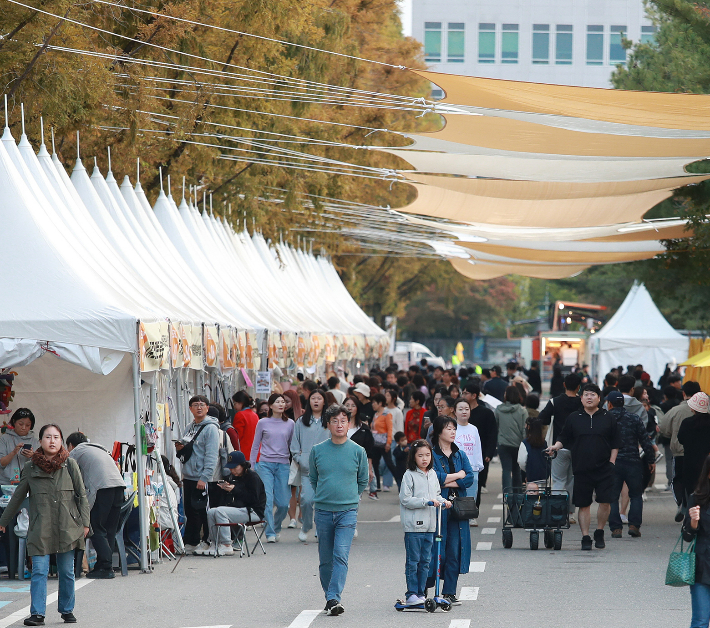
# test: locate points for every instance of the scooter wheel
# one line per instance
(399, 609)
(429, 605)
(445, 606)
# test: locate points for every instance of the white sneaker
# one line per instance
(413, 599)
(292, 523)
(473, 523)
(201, 549)
(422, 599)
(278, 538)
(271, 539)
(484, 489)
(386, 489)
(303, 536)
(624, 519)
(572, 520)
(226, 550)
(355, 535)
(190, 549)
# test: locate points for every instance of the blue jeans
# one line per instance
(631, 472)
(274, 475)
(700, 603)
(307, 497)
(38, 586)
(509, 465)
(416, 568)
(335, 536)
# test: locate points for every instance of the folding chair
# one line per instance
(258, 535)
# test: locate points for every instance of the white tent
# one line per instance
(637, 334)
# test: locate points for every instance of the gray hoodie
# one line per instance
(304, 439)
(418, 488)
(634, 406)
(97, 468)
(8, 442)
(205, 450)
(510, 418)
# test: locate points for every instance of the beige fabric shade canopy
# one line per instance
(547, 180)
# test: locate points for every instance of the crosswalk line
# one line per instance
(23, 612)
(497, 507)
(468, 594)
(483, 545)
(500, 495)
(477, 567)
(493, 520)
(304, 619)
(394, 519)
(460, 623)
(488, 531)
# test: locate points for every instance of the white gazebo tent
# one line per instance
(637, 334)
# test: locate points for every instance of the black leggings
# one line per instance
(377, 454)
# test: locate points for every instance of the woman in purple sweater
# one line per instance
(272, 441)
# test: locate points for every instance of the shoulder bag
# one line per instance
(186, 452)
(681, 565)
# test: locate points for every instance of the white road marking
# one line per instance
(493, 520)
(51, 598)
(659, 487)
(500, 495)
(477, 567)
(468, 594)
(483, 545)
(497, 507)
(460, 623)
(304, 619)
(488, 531)
(394, 519)
(220, 626)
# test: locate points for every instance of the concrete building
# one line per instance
(567, 42)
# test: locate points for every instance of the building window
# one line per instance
(595, 45)
(486, 43)
(509, 48)
(563, 44)
(455, 42)
(617, 53)
(648, 34)
(541, 44)
(432, 42)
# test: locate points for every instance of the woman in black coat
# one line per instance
(557, 383)
(360, 433)
(697, 526)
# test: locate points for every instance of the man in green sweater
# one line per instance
(339, 474)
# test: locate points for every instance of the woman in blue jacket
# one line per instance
(455, 476)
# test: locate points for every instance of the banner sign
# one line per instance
(153, 346)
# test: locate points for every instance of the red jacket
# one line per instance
(413, 424)
(245, 423)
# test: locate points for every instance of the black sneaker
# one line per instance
(69, 618)
(587, 542)
(101, 574)
(333, 607)
(679, 516)
(599, 539)
(452, 599)
(34, 620)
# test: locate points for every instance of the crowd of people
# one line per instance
(305, 457)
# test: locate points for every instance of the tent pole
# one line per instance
(142, 511)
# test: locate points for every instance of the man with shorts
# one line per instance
(592, 435)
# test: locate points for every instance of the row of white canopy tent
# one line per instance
(101, 290)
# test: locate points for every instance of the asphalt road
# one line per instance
(622, 585)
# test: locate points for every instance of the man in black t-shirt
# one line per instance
(592, 436)
(485, 422)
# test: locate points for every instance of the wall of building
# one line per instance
(567, 42)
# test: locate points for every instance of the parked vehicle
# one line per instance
(408, 353)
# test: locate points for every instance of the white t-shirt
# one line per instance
(397, 420)
(338, 394)
(468, 441)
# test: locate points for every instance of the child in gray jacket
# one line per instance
(419, 496)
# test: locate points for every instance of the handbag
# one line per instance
(294, 474)
(380, 439)
(463, 509)
(199, 501)
(186, 452)
(681, 565)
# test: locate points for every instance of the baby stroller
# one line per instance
(542, 510)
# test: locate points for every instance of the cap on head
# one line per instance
(615, 398)
(236, 459)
